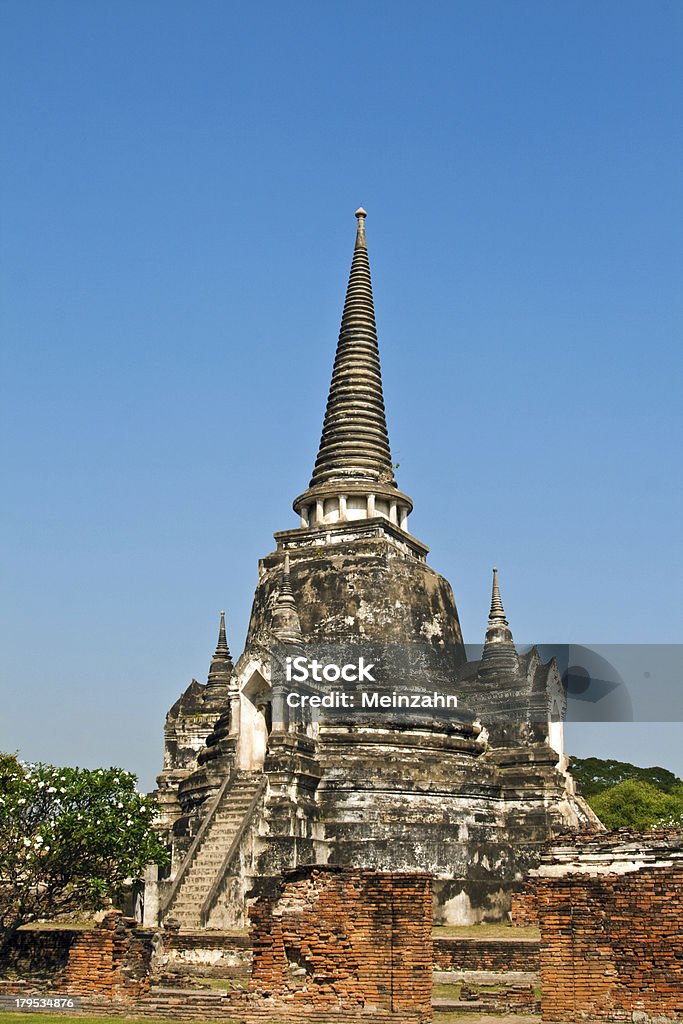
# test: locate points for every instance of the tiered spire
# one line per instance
(355, 442)
(285, 623)
(221, 664)
(354, 457)
(499, 656)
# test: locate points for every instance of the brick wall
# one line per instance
(37, 952)
(344, 939)
(471, 954)
(112, 961)
(524, 910)
(610, 912)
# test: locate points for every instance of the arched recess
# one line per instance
(255, 722)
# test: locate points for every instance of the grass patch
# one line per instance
(225, 984)
(475, 1018)
(485, 931)
(446, 991)
(61, 1018)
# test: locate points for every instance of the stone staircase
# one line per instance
(216, 844)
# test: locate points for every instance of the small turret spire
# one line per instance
(286, 592)
(221, 663)
(222, 645)
(286, 625)
(499, 656)
(497, 610)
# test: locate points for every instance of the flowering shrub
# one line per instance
(69, 837)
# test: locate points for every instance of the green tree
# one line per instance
(638, 805)
(595, 774)
(69, 837)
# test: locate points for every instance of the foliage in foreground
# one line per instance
(626, 796)
(69, 837)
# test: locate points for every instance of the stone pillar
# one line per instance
(319, 512)
(371, 506)
(392, 512)
(278, 707)
(304, 516)
(342, 508)
(404, 518)
(150, 909)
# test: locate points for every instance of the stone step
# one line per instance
(222, 833)
(210, 858)
(203, 871)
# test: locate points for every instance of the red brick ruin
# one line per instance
(110, 961)
(333, 939)
(332, 943)
(609, 911)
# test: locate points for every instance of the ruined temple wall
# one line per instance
(361, 588)
(438, 803)
(331, 939)
(110, 961)
(610, 911)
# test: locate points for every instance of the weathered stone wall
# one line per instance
(204, 954)
(610, 912)
(326, 938)
(472, 954)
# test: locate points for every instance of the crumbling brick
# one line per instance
(345, 939)
(610, 913)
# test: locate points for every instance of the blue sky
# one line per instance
(178, 186)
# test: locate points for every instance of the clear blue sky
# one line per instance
(178, 187)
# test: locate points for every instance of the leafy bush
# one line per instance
(638, 805)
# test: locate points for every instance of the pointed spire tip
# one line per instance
(360, 212)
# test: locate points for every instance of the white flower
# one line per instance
(119, 804)
(41, 784)
(21, 800)
(51, 789)
(39, 840)
(27, 841)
